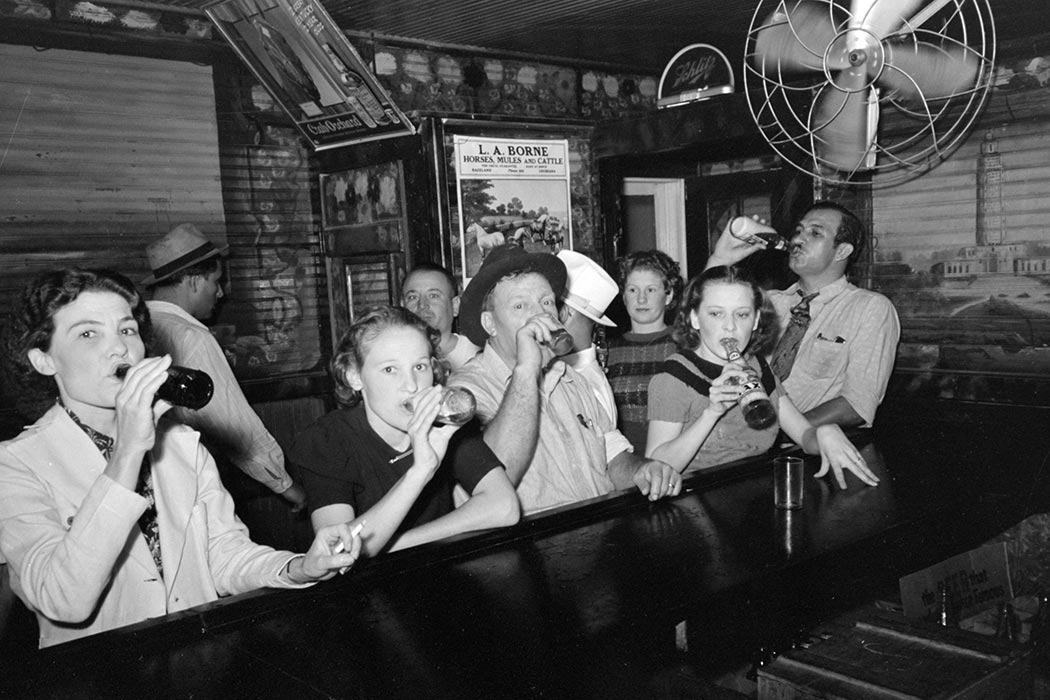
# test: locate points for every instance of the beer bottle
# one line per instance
(749, 230)
(190, 388)
(758, 410)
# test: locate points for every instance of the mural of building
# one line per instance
(993, 254)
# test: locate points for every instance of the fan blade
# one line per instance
(881, 17)
(794, 38)
(924, 71)
(843, 123)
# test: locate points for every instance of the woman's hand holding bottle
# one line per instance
(137, 414)
(429, 441)
(726, 388)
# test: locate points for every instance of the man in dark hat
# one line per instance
(541, 418)
(187, 284)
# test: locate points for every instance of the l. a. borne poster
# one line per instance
(510, 191)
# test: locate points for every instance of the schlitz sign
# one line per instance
(695, 73)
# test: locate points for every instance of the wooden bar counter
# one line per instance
(585, 601)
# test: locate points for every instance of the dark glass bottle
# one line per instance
(190, 388)
(747, 229)
(758, 410)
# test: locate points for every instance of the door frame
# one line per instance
(669, 209)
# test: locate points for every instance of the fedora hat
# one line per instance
(589, 288)
(176, 250)
(500, 262)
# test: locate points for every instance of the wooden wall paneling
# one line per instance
(102, 154)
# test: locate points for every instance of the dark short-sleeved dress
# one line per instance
(341, 459)
(678, 394)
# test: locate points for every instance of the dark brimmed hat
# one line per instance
(178, 249)
(500, 262)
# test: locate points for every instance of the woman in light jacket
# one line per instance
(109, 514)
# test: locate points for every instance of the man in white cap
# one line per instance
(187, 284)
(588, 292)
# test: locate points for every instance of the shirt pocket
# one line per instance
(826, 359)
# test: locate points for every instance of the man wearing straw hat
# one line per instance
(187, 284)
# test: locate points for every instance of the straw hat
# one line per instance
(178, 249)
(589, 289)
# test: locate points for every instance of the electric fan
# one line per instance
(873, 91)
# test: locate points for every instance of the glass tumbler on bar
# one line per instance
(787, 482)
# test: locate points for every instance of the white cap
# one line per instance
(589, 289)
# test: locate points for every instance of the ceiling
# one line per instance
(639, 35)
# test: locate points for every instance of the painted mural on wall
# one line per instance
(964, 251)
(269, 326)
(275, 285)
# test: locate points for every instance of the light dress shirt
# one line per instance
(848, 349)
(228, 423)
(585, 362)
(463, 351)
(577, 438)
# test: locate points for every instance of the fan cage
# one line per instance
(912, 138)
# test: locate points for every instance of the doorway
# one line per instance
(654, 216)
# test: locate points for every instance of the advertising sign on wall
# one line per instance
(511, 191)
(299, 54)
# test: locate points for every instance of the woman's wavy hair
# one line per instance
(32, 325)
(352, 347)
(662, 264)
(687, 338)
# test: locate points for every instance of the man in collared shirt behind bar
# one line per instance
(541, 418)
(187, 284)
(844, 360)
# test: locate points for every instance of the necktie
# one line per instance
(786, 349)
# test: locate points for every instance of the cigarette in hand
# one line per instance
(340, 548)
